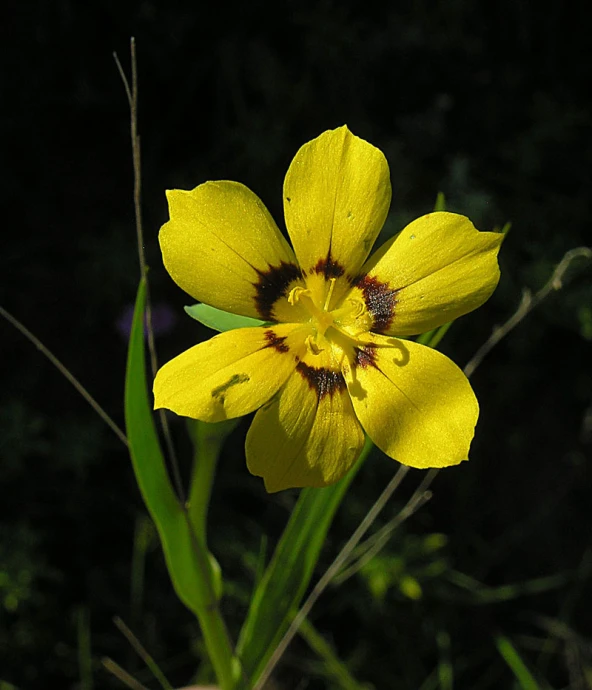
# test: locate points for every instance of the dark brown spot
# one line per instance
(219, 392)
(329, 268)
(323, 381)
(272, 285)
(365, 356)
(276, 341)
(288, 199)
(380, 301)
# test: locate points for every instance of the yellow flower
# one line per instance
(329, 365)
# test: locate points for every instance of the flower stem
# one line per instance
(208, 439)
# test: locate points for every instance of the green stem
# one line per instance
(226, 664)
(208, 439)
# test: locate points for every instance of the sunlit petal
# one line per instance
(413, 402)
(437, 269)
(307, 435)
(223, 248)
(231, 374)
(337, 194)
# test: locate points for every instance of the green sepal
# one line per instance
(219, 320)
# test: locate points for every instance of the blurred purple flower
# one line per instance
(163, 320)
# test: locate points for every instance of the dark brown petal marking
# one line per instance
(365, 356)
(380, 301)
(323, 381)
(272, 285)
(329, 268)
(219, 393)
(276, 341)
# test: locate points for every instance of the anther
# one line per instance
(312, 345)
(296, 293)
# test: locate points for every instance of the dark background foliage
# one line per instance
(487, 102)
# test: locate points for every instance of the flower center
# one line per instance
(348, 317)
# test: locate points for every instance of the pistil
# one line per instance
(322, 319)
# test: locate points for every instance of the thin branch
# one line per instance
(142, 653)
(330, 573)
(377, 541)
(132, 97)
(527, 304)
(120, 674)
(66, 373)
(121, 71)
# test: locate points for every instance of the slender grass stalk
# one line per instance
(213, 627)
(142, 532)
(122, 675)
(84, 649)
(527, 304)
(330, 573)
(142, 653)
(132, 97)
(524, 677)
(368, 549)
(66, 373)
(335, 668)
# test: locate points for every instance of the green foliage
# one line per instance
(192, 575)
(505, 134)
(193, 571)
(284, 582)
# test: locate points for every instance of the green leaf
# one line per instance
(190, 566)
(150, 469)
(219, 320)
(288, 574)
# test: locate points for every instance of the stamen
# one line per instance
(329, 294)
(312, 345)
(296, 293)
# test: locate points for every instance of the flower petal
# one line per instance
(231, 374)
(222, 247)
(414, 403)
(437, 269)
(308, 434)
(337, 194)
